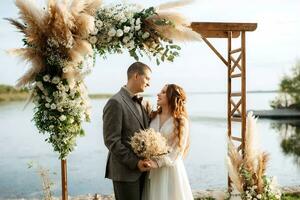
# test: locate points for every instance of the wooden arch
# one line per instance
(236, 69)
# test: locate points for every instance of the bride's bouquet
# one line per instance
(149, 144)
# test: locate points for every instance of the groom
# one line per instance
(123, 115)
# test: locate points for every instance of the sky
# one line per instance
(272, 49)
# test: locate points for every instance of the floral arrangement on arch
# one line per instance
(148, 31)
(61, 41)
(248, 174)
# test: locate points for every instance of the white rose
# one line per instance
(137, 27)
(126, 39)
(93, 39)
(119, 33)
(124, 19)
(46, 78)
(48, 99)
(112, 32)
(60, 109)
(132, 21)
(126, 29)
(60, 86)
(130, 35)
(53, 106)
(71, 120)
(47, 105)
(259, 196)
(55, 80)
(145, 35)
(99, 23)
(138, 21)
(62, 118)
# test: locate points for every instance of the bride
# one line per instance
(168, 179)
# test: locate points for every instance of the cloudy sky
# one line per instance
(271, 50)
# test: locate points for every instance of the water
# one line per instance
(20, 143)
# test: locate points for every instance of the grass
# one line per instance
(290, 197)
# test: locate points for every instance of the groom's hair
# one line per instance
(137, 67)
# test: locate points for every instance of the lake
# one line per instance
(20, 144)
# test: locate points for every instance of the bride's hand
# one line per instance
(152, 164)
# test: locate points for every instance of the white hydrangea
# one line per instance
(119, 33)
(112, 32)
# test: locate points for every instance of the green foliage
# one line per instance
(289, 89)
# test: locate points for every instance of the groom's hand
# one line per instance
(143, 166)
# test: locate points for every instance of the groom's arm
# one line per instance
(112, 129)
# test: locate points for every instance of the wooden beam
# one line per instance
(217, 34)
(215, 50)
(221, 26)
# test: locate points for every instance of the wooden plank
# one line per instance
(236, 63)
(215, 51)
(223, 26)
(236, 94)
(236, 75)
(235, 50)
(236, 119)
(236, 139)
(236, 107)
(218, 34)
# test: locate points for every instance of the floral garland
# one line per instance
(125, 27)
(61, 41)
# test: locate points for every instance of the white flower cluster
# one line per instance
(60, 111)
(271, 191)
(116, 26)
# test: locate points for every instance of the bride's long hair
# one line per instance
(176, 98)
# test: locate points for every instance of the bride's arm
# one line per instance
(175, 151)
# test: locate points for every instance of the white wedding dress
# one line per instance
(169, 181)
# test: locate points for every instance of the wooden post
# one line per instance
(64, 183)
(229, 95)
(243, 84)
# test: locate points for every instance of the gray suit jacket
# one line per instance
(121, 120)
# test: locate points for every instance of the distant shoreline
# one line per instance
(9, 93)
